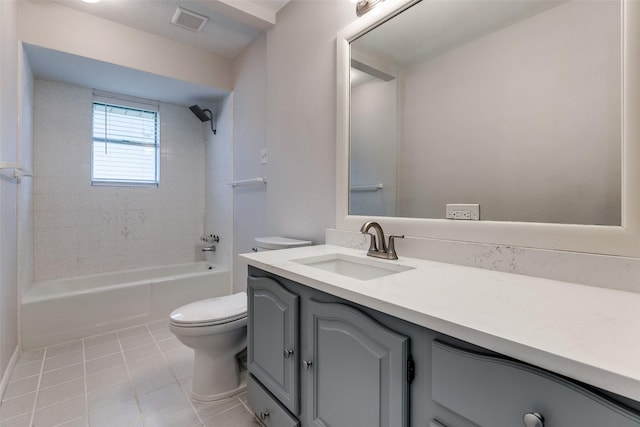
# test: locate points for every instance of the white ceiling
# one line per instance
(232, 25)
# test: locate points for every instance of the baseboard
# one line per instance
(9, 371)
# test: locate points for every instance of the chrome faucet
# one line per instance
(385, 251)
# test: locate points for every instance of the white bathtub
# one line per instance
(54, 311)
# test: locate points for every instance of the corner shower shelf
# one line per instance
(15, 170)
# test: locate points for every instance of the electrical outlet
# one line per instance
(263, 156)
(463, 211)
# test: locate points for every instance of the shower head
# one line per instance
(203, 116)
(200, 113)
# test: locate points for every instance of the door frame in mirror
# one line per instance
(621, 240)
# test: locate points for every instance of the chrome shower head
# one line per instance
(203, 116)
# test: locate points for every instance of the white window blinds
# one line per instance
(125, 143)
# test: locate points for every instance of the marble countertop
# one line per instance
(586, 333)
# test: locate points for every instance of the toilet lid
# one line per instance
(212, 311)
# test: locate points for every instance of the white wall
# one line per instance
(84, 229)
(25, 186)
(478, 127)
(53, 26)
(373, 147)
(219, 172)
(9, 78)
(250, 135)
(301, 118)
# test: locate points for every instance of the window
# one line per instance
(125, 143)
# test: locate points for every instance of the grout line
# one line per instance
(193, 408)
(131, 383)
(35, 401)
(69, 421)
(86, 394)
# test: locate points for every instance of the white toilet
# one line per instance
(216, 330)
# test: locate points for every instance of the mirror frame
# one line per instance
(621, 240)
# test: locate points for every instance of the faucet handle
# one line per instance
(373, 246)
(391, 248)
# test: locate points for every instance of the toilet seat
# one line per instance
(211, 311)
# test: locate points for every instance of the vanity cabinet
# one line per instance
(317, 360)
(272, 356)
(328, 363)
(495, 391)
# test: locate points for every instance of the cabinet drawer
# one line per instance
(266, 407)
(495, 392)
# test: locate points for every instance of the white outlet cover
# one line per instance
(463, 211)
(263, 156)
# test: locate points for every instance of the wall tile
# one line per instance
(85, 229)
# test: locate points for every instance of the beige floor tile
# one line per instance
(103, 363)
(162, 334)
(100, 340)
(20, 387)
(58, 376)
(101, 350)
(132, 332)
(181, 362)
(107, 377)
(113, 405)
(167, 406)
(158, 325)
(57, 362)
(170, 344)
(210, 409)
(60, 392)
(21, 421)
(137, 341)
(78, 422)
(237, 417)
(26, 370)
(17, 406)
(60, 412)
(60, 349)
(140, 353)
(31, 356)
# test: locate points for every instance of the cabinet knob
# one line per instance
(533, 419)
(307, 364)
(264, 415)
(288, 354)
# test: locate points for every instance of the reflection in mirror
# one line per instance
(512, 105)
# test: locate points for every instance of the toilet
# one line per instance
(216, 330)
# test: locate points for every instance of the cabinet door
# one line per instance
(358, 375)
(273, 339)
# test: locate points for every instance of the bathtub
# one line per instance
(59, 310)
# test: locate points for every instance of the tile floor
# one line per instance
(132, 377)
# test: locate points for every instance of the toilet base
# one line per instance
(219, 396)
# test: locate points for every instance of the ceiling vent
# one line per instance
(189, 20)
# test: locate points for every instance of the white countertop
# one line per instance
(586, 333)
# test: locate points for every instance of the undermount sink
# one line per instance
(354, 267)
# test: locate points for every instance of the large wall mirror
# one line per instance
(526, 108)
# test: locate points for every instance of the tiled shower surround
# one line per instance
(83, 229)
(132, 377)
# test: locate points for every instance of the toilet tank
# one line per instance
(276, 242)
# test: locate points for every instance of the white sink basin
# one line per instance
(354, 267)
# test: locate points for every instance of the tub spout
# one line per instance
(209, 249)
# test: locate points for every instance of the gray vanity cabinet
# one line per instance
(272, 355)
(344, 369)
(355, 369)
